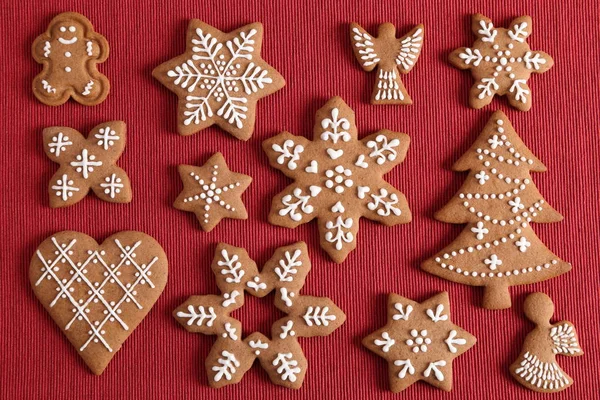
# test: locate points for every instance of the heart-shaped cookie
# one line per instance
(98, 294)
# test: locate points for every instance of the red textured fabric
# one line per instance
(308, 43)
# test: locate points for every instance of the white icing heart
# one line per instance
(335, 154)
(362, 190)
(313, 168)
(338, 208)
(361, 162)
(314, 190)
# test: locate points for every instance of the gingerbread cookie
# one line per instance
(212, 192)
(501, 62)
(69, 51)
(87, 164)
(219, 79)
(391, 56)
(281, 355)
(98, 294)
(536, 367)
(419, 342)
(498, 202)
(338, 178)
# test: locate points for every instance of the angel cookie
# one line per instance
(87, 164)
(391, 56)
(69, 51)
(536, 367)
(501, 62)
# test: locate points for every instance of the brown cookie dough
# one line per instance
(98, 294)
(219, 79)
(87, 164)
(281, 355)
(69, 51)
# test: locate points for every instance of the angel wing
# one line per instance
(410, 49)
(564, 337)
(364, 48)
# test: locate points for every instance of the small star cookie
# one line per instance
(419, 342)
(212, 192)
(87, 164)
(501, 62)
(219, 79)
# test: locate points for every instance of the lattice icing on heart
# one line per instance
(338, 178)
(281, 355)
(98, 294)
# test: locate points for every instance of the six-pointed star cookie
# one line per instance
(219, 79)
(501, 62)
(338, 178)
(419, 342)
(212, 192)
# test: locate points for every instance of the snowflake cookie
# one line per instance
(98, 294)
(536, 367)
(501, 62)
(498, 202)
(212, 192)
(281, 355)
(219, 79)
(87, 164)
(338, 178)
(391, 56)
(419, 342)
(69, 51)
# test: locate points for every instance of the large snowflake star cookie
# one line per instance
(281, 355)
(501, 62)
(98, 293)
(391, 56)
(87, 164)
(338, 178)
(219, 79)
(212, 192)
(69, 51)
(419, 342)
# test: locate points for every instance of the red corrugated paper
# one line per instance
(308, 43)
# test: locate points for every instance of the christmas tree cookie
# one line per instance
(498, 202)
(338, 178)
(281, 355)
(501, 62)
(536, 367)
(419, 342)
(219, 79)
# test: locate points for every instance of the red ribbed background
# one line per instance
(308, 43)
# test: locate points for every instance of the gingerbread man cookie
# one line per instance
(281, 355)
(338, 178)
(69, 51)
(87, 164)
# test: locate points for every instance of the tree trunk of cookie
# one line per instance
(496, 297)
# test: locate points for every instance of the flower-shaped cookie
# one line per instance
(419, 342)
(338, 178)
(501, 62)
(281, 356)
(87, 164)
(212, 192)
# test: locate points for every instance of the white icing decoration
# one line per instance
(313, 168)
(287, 267)
(533, 60)
(387, 206)
(338, 208)
(233, 267)
(471, 56)
(338, 179)
(64, 188)
(402, 312)
(286, 330)
(89, 48)
(318, 316)
(288, 366)
(299, 202)
(288, 150)
(47, 87)
(360, 162)
(228, 365)
(482, 177)
(256, 284)
(493, 262)
(437, 316)
(199, 317)
(488, 87)
(286, 297)
(410, 47)
(519, 32)
(335, 154)
(361, 191)
(541, 374)
(516, 205)
(59, 143)
(112, 185)
(433, 366)
(407, 368)
(68, 41)
(419, 341)
(364, 42)
(522, 244)
(487, 31)
(229, 298)
(387, 86)
(85, 163)
(386, 342)
(480, 230)
(340, 236)
(258, 346)
(386, 146)
(519, 88)
(564, 339)
(88, 88)
(334, 128)
(230, 332)
(47, 48)
(452, 340)
(106, 137)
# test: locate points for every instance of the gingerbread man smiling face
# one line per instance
(69, 51)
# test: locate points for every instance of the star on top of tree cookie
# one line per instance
(212, 192)
(338, 178)
(419, 342)
(501, 62)
(219, 79)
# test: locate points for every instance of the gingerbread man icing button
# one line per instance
(69, 51)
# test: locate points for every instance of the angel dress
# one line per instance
(536, 368)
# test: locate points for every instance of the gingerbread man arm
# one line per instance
(41, 48)
(97, 47)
